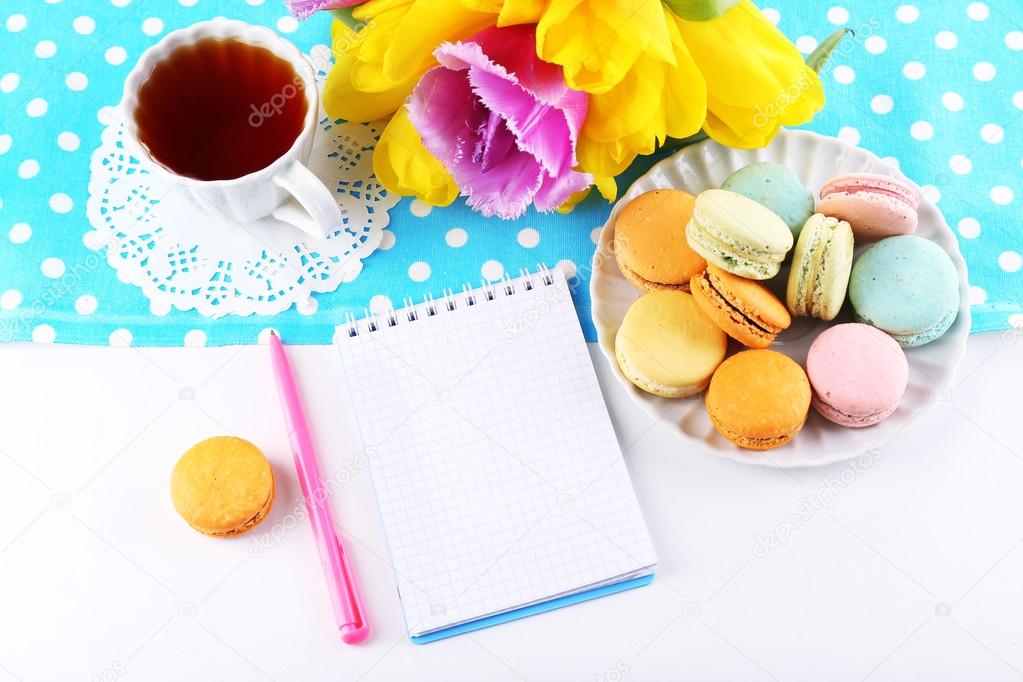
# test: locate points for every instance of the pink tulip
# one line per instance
(303, 9)
(502, 122)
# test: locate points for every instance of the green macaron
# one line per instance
(906, 286)
(775, 187)
(738, 235)
(820, 270)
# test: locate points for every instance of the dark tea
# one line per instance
(220, 109)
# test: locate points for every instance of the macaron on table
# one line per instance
(223, 486)
(773, 287)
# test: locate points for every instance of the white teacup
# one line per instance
(286, 188)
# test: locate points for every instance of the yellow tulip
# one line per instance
(521, 12)
(404, 166)
(426, 25)
(654, 100)
(340, 97)
(598, 42)
(574, 200)
(757, 80)
(650, 76)
(377, 66)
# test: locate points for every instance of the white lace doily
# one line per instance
(158, 240)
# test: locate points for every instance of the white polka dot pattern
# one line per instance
(935, 86)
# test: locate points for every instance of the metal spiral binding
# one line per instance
(450, 301)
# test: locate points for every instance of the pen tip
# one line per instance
(273, 333)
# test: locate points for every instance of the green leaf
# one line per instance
(700, 10)
(820, 56)
(345, 16)
(680, 142)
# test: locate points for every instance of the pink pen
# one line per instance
(344, 593)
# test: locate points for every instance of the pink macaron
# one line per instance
(876, 206)
(858, 374)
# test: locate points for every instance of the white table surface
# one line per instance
(908, 568)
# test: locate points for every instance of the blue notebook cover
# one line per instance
(534, 609)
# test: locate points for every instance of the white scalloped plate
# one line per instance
(815, 159)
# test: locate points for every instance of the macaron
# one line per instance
(744, 309)
(876, 206)
(650, 241)
(775, 187)
(738, 235)
(858, 374)
(223, 486)
(758, 399)
(906, 286)
(667, 346)
(821, 265)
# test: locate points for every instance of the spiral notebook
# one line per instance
(500, 483)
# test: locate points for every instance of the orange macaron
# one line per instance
(650, 241)
(745, 310)
(223, 486)
(759, 399)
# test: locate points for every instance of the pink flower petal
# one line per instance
(443, 110)
(447, 115)
(502, 122)
(514, 48)
(556, 190)
(495, 142)
(506, 190)
(547, 128)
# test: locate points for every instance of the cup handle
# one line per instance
(319, 214)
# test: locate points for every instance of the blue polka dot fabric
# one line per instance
(937, 87)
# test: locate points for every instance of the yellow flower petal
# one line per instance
(603, 158)
(342, 99)
(521, 12)
(607, 186)
(653, 101)
(487, 6)
(404, 166)
(758, 82)
(685, 89)
(380, 19)
(598, 41)
(427, 24)
(574, 200)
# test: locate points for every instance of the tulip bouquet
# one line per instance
(513, 103)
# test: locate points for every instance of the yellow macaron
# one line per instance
(223, 486)
(667, 346)
(650, 241)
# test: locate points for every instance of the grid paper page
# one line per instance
(497, 472)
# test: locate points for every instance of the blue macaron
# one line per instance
(775, 187)
(906, 286)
